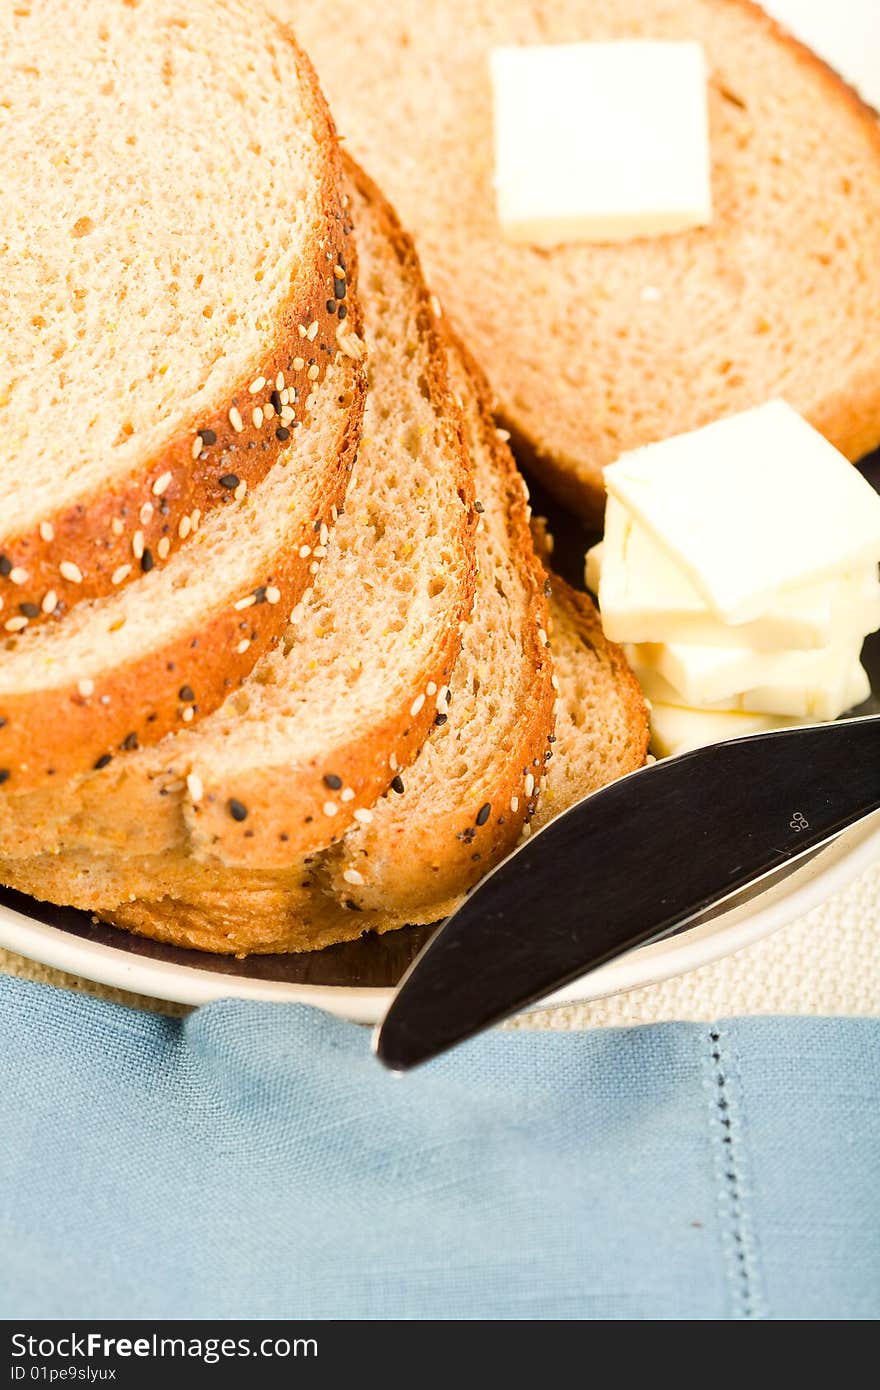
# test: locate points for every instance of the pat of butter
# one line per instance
(677, 730)
(813, 685)
(600, 141)
(646, 597)
(750, 507)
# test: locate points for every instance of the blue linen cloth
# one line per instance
(254, 1161)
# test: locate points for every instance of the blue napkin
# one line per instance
(254, 1161)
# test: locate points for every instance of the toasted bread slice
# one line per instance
(331, 715)
(176, 271)
(591, 349)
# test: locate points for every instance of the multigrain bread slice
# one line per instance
(176, 270)
(122, 671)
(602, 734)
(329, 717)
(490, 750)
(592, 350)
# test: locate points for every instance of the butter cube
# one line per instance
(645, 596)
(600, 141)
(751, 507)
(677, 730)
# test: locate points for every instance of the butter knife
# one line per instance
(632, 863)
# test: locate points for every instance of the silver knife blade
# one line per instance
(627, 865)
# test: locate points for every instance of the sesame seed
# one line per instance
(86, 688)
(543, 638)
(302, 333)
(50, 601)
(117, 526)
(352, 876)
(397, 785)
(235, 420)
(313, 567)
(161, 484)
(147, 561)
(257, 385)
(514, 804)
(145, 516)
(120, 573)
(197, 445)
(324, 534)
(209, 437)
(283, 397)
(47, 531)
(196, 518)
(363, 815)
(287, 413)
(243, 646)
(330, 808)
(484, 813)
(431, 688)
(194, 786)
(229, 480)
(18, 575)
(436, 307)
(273, 595)
(184, 526)
(554, 681)
(247, 602)
(304, 552)
(416, 706)
(347, 794)
(137, 544)
(279, 382)
(393, 763)
(529, 784)
(68, 570)
(342, 311)
(257, 417)
(319, 552)
(312, 330)
(163, 548)
(298, 363)
(188, 714)
(240, 491)
(15, 624)
(236, 809)
(314, 372)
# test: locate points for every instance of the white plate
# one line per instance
(122, 966)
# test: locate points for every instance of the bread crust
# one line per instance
(151, 510)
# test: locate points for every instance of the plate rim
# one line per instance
(837, 865)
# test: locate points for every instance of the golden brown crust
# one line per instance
(140, 520)
(54, 733)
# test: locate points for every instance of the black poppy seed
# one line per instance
(440, 719)
(284, 837)
(313, 361)
(293, 393)
(342, 311)
(333, 781)
(236, 809)
(331, 306)
(163, 506)
(229, 480)
(3, 721)
(208, 436)
(548, 588)
(187, 694)
(152, 717)
(248, 834)
(478, 855)
(339, 288)
(478, 507)
(397, 785)
(30, 610)
(103, 761)
(5, 566)
(5, 774)
(275, 398)
(352, 905)
(282, 433)
(484, 813)
(130, 742)
(308, 820)
(551, 738)
(147, 561)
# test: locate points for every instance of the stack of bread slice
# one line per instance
(344, 687)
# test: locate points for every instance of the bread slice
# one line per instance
(330, 716)
(592, 350)
(238, 912)
(176, 271)
(412, 858)
(123, 671)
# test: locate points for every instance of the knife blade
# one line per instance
(629, 864)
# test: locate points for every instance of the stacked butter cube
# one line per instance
(739, 568)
